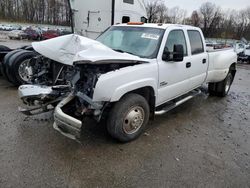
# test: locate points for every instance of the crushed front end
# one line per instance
(72, 111)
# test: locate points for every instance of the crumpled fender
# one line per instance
(111, 86)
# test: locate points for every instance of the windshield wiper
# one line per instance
(122, 51)
(118, 50)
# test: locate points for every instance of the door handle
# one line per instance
(204, 61)
(188, 65)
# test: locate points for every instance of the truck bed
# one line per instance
(219, 63)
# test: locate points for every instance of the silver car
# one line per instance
(17, 34)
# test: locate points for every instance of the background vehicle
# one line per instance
(16, 27)
(7, 28)
(247, 53)
(129, 74)
(2, 27)
(65, 32)
(17, 34)
(50, 34)
(33, 33)
(239, 48)
(92, 17)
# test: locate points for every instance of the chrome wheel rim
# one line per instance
(133, 120)
(23, 71)
(228, 83)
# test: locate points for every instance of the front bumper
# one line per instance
(27, 91)
(65, 124)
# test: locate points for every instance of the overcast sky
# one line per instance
(191, 5)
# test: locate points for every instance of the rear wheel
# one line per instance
(128, 118)
(221, 89)
(5, 62)
(4, 50)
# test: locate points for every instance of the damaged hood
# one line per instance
(73, 48)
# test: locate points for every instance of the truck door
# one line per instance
(199, 61)
(173, 76)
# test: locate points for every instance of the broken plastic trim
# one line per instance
(38, 110)
(89, 100)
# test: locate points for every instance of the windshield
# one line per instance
(140, 41)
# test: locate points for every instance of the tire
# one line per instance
(221, 89)
(4, 48)
(30, 48)
(131, 106)
(5, 62)
(12, 68)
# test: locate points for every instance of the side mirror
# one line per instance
(177, 55)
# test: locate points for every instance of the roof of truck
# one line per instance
(156, 25)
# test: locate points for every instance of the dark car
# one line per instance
(50, 34)
(65, 32)
(33, 33)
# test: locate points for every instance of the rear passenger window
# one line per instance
(196, 42)
(176, 37)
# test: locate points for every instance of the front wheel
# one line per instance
(128, 118)
(221, 89)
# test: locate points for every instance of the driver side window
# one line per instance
(176, 37)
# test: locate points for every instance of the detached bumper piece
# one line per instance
(40, 99)
(65, 124)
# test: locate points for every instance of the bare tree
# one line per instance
(211, 17)
(177, 15)
(156, 11)
(195, 19)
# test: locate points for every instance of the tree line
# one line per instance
(212, 19)
(54, 12)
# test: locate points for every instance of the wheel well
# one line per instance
(146, 92)
(233, 69)
(149, 94)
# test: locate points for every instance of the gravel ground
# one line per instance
(203, 143)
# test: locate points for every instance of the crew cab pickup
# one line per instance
(133, 72)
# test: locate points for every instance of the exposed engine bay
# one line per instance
(52, 81)
(83, 85)
(43, 71)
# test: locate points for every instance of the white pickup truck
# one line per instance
(131, 73)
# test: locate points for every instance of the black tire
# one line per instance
(13, 66)
(5, 62)
(221, 89)
(4, 48)
(30, 48)
(118, 117)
